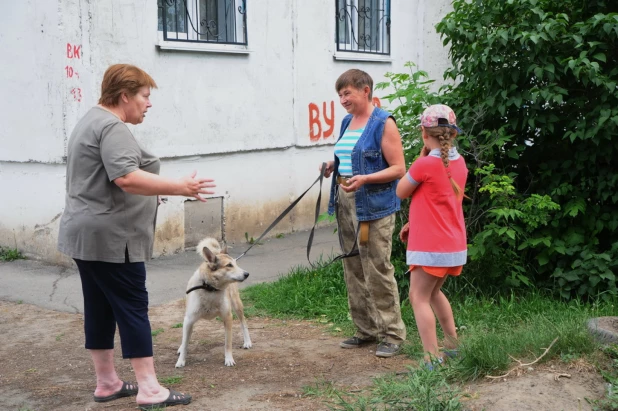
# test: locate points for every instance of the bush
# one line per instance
(544, 82)
(535, 90)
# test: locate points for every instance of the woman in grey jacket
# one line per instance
(107, 227)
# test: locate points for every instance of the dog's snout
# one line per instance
(246, 274)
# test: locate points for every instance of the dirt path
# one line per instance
(43, 366)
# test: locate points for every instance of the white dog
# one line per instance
(212, 291)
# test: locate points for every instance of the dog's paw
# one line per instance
(247, 345)
(229, 362)
(181, 363)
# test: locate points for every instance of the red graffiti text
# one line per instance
(71, 72)
(74, 51)
(77, 94)
(316, 131)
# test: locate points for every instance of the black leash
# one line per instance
(204, 286)
(320, 179)
(287, 210)
(353, 252)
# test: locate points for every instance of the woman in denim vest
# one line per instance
(367, 164)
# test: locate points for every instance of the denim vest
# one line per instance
(373, 201)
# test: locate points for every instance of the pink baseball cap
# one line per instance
(433, 114)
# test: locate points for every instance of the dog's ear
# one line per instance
(224, 250)
(209, 255)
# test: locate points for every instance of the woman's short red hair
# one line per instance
(123, 78)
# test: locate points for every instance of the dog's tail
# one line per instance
(209, 242)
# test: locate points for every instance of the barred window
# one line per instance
(204, 21)
(363, 26)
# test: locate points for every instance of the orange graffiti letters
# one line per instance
(314, 121)
(316, 131)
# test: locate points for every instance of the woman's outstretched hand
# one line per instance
(193, 187)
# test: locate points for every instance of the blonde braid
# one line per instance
(445, 137)
(445, 145)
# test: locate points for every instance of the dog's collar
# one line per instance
(204, 286)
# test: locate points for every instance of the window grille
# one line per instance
(363, 26)
(204, 21)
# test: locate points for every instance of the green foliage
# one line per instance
(10, 254)
(411, 93)
(507, 233)
(545, 81)
(589, 273)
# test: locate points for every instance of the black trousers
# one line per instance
(115, 293)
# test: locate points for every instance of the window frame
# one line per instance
(350, 20)
(193, 16)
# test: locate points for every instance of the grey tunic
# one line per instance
(100, 220)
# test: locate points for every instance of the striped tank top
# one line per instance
(343, 150)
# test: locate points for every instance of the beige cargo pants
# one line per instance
(373, 297)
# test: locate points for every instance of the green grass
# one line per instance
(179, 325)
(492, 329)
(176, 379)
(251, 240)
(321, 388)
(522, 327)
(419, 389)
(156, 332)
(302, 294)
(10, 254)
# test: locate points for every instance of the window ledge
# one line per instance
(377, 58)
(203, 47)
